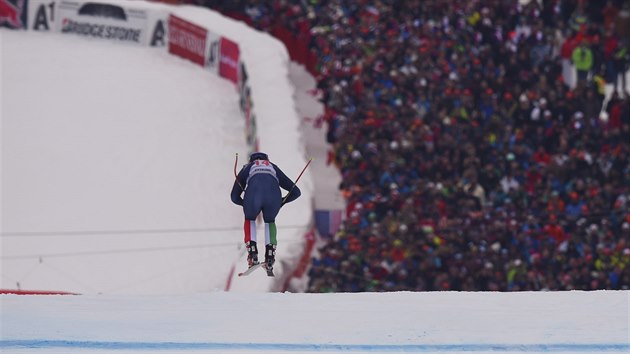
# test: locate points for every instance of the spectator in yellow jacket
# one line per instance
(582, 58)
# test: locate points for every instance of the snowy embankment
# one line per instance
(368, 322)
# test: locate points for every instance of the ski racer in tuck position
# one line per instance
(261, 181)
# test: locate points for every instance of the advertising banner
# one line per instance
(103, 21)
(187, 40)
(229, 59)
(13, 13)
(100, 20)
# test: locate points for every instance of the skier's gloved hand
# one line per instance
(238, 201)
(292, 195)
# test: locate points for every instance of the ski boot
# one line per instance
(252, 254)
(270, 259)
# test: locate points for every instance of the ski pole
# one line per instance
(235, 175)
(296, 180)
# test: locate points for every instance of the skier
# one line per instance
(261, 180)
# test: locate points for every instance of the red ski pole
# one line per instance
(296, 180)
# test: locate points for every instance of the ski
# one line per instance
(250, 269)
(254, 267)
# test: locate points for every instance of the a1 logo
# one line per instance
(158, 37)
(44, 16)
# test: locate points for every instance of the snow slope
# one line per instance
(449, 322)
(104, 152)
(117, 166)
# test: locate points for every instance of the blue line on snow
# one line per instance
(552, 347)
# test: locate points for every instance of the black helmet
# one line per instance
(258, 156)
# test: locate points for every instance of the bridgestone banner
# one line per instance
(187, 40)
(101, 30)
(104, 21)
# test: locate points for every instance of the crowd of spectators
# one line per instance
(477, 146)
